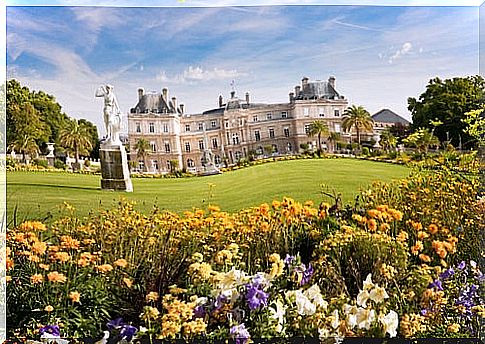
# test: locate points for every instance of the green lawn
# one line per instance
(35, 195)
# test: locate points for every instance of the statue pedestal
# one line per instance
(114, 168)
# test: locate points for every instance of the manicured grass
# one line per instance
(37, 195)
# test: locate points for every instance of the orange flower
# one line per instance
(56, 277)
(8, 278)
(384, 227)
(48, 308)
(37, 278)
(10, 263)
(372, 225)
(34, 259)
(104, 268)
(39, 247)
(396, 214)
(433, 229)
(418, 247)
(422, 235)
(122, 263)
(32, 226)
(382, 208)
(275, 204)
(74, 296)
(68, 242)
(128, 282)
(374, 213)
(213, 208)
(62, 257)
(152, 296)
(44, 266)
(417, 225)
(425, 258)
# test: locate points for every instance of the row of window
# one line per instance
(269, 116)
(321, 112)
(165, 127)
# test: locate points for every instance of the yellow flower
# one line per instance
(74, 296)
(37, 278)
(56, 277)
(372, 225)
(422, 235)
(149, 313)
(32, 226)
(425, 258)
(68, 242)
(213, 208)
(152, 296)
(453, 328)
(39, 247)
(48, 308)
(128, 282)
(62, 257)
(433, 229)
(418, 247)
(122, 263)
(44, 266)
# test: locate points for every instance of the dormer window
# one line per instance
(269, 116)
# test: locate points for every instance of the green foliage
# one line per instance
(475, 121)
(388, 140)
(422, 139)
(365, 151)
(41, 163)
(318, 128)
(447, 101)
(75, 136)
(59, 164)
(142, 148)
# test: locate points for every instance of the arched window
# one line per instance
(190, 163)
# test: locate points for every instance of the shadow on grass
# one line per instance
(57, 186)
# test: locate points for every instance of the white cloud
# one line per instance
(404, 50)
(198, 74)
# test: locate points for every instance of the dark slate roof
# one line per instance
(234, 104)
(317, 90)
(388, 116)
(153, 102)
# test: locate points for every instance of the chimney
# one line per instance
(233, 94)
(304, 82)
(141, 91)
(174, 102)
(297, 91)
(292, 97)
(165, 94)
(182, 106)
(220, 100)
(331, 81)
(247, 98)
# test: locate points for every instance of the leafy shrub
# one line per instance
(40, 163)
(59, 164)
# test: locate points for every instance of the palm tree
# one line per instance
(359, 118)
(25, 144)
(142, 147)
(76, 137)
(318, 128)
(334, 137)
(387, 140)
(422, 139)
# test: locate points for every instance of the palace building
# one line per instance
(234, 130)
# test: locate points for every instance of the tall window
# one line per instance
(288, 147)
(214, 142)
(284, 114)
(287, 132)
(271, 133)
(201, 144)
(235, 138)
(306, 112)
(336, 113)
(257, 135)
(255, 118)
(187, 127)
(165, 127)
(138, 127)
(201, 126)
(151, 127)
(190, 163)
(321, 112)
(337, 127)
(238, 155)
(217, 159)
(167, 147)
(275, 148)
(269, 116)
(155, 165)
(153, 146)
(213, 124)
(187, 146)
(307, 128)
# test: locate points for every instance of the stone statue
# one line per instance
(111, 114)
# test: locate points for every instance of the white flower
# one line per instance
(323, 333)
(335, 320)
(304, 305)
(365, 318)
(313, 293)
(473, 264)
(368, 284)
(390, 322)
(378, 294)
(278, 313)
(362, 298)
(232, 278)
(351, 312)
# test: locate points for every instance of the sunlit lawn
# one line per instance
(38, 194)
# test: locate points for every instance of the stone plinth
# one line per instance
(114, 168)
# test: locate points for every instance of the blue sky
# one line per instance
(380, 56)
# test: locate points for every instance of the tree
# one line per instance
(422, 139)
(334, 138)
(142, 147)
(400, 131)
(387, 140)
(359, 118)
(318, 128)
(93, 137)
(447, 101)
(75, 136)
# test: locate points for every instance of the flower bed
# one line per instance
(401, 262)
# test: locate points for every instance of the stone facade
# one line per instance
(235, 129)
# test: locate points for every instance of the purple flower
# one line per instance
(50, 329)
(115, 324)
(462, 265)
(240, 333)
(307, 275)
(256, 297)
(127, 332)
(220, 300)
(199, 312)
(447, 274)
(289, 259)
(424, 312)
(436, 284)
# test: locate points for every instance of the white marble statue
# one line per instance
(112, 114)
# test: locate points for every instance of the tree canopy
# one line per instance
(359, 118)
(447, 101)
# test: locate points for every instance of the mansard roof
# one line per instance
(317, 90)
(388, 116)
(154, 102)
